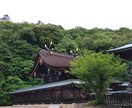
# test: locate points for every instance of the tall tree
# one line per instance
(96, 71)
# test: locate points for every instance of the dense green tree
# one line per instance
(66, 45)
(12, 83)
(46, 33)
(102, 42)
(28, 35)
(96, 71)
(128, 75)
(1, 80)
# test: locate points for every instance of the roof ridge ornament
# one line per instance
(75, 54)
(49, 48)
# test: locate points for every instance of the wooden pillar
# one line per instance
(62, 99)
(51, 95)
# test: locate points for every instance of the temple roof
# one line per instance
(124, 52)
(49, 85)
(56, 59)
(122, 48)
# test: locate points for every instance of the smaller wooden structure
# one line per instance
(57, 92)
(122, 95)
(124, 52)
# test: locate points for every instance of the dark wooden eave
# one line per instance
(124, 52)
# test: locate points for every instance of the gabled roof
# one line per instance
(122, 48)
(49, 85)
(54, 59)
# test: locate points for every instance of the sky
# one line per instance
(69, 14)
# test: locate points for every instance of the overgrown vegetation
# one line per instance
(20, 43)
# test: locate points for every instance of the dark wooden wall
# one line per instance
(125, 55)
(63, 94)
(120, 100)
(50, 74)
(69, 94)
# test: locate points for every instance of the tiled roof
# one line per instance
(49, 85)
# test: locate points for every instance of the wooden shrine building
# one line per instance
(59, 85)
(122, 96)
(124, 52)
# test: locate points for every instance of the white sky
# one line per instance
(71, 13)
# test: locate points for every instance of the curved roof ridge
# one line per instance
(56, 53)
(122, 48)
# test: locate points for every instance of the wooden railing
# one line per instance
(120, 99)
(115, 98)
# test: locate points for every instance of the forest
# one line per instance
(20, 43)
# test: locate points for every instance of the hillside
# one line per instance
(20, 43)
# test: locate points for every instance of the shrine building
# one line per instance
(60, 86)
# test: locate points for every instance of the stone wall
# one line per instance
(74, 105)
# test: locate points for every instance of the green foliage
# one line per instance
(91, 103)
(20, 43)
(12, 83)
(1, 80)
(5, 98)
(127, 76)
(96, 70)
(66, 45)
(35, 81)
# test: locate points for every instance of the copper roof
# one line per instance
(124, 52)
(124, 48)
(49, 85)
(56, 59)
